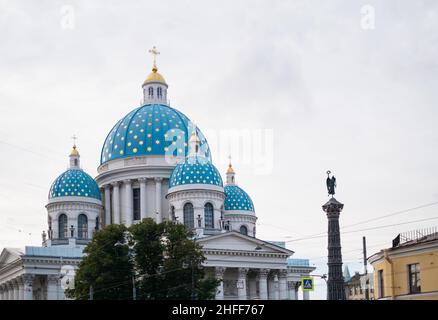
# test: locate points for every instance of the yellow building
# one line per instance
(408, 270)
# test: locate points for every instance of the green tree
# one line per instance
(163, 258)
(169, 262)
(106, 267)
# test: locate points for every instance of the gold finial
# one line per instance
(194, 137)
(154, 52)
(230, 167)
(74, 151)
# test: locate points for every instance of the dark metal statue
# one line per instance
(331, 184)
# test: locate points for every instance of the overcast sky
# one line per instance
(324, 88)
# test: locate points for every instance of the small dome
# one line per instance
(195, 170)
(154, 76)
(153, 129)
(74, 183)
(74, 152)
(237, 199)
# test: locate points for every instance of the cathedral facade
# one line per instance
(154, 164)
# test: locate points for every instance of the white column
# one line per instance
(2, 292)
(10, 288)
(15, 286)
(158, 213)
(252, 285)
(128, 203)
(241, 284)
(28, 283)
(283, 284)
(263, 283)
(91, 225)
(116, 203)
(219, 272)
(52, 287)
(306, 295)
(291, 290)
(276, 288)
(107, 205)
(297, 286)
(20, 288)
(143, 210)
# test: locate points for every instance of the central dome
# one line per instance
(153, 129)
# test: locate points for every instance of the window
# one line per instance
(381, 284)
(151, 92)
(76, 162)
(159, 92)
(97, 224)
(414, 278)
(82, 227)
(189, 215)
(244, 230)
(62, 226)
(209, 216)
(136, 205)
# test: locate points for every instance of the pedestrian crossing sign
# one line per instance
(307, 283)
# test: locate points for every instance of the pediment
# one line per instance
(237, 241)
(10, 255)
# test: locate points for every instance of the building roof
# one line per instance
(55, 251)
(74, 183)
(151, 130)
(237, 199)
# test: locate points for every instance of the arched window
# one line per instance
(82, 226)
(244, 230)
(159, 92)
(97, 224)
(151, 92)
(62, 227)
(209, 216)
(189, 215)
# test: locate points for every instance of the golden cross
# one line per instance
(74, 139)
(154, 52)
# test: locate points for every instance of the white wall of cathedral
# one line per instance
(155, 92)
(198, 198)
(148, 175)
(72, 208)
(240, 218)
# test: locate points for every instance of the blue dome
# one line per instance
(237, 199)
(74, 183)
(195, 170)
(153, 129)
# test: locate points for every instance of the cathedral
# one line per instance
(155, 163)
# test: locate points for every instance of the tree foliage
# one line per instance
(163, 258)
(106, 268)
